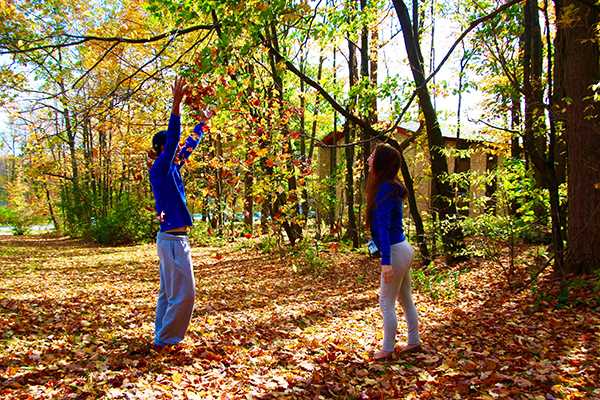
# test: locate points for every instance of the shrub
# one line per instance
(127, 222)
(20, 214)
(202, 235)
(307, 259)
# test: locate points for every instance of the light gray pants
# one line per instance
(177, 289)
(399, 288)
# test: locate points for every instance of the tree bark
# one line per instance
(352, 231)
(442, 201)
(333, 159)
(51, 208)
(414, 211)
(534, 138)
(366, 147)
(580, 54)
(248, 201)
(292, 229)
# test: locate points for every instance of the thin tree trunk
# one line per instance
(534, 139)
(51, 208)
(555, 211)
(248, 201)
(442, 202)
(432, 49)
(352, 231)
(333, 158)
(515, 124)
(414, 211)
(292, 229)
(366, 147)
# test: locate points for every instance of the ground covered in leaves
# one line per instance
(76, 321)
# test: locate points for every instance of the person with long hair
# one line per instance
(385, 194)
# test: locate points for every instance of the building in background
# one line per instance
(481, 157)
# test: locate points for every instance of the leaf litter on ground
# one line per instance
(77, 323)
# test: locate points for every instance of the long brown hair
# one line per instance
(386, 164)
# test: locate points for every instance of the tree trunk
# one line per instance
(414, 211)
(431, 48)
(515, 124)
(333, 159)
(374, 57)
(51, 208)
(366, 147)
(442, 202)
(352, 231)
(580, 55)
(534, 138)
(248, 201)
(292, 229)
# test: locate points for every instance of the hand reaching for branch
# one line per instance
(179, 92)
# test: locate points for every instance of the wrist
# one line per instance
(176, 108)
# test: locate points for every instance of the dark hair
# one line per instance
(159, 139)
(386, 164)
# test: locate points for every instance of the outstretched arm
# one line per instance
(174, 131)
(190, 144)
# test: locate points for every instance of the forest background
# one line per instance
(85, 85)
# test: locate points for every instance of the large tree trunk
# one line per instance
(580, 53)
(442, 202)
(534, 138)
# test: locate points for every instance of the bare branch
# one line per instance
(98, 61)
(490, 125)
(77, 39)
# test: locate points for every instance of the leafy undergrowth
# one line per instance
(76, 322)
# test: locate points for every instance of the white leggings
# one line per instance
(401, 257)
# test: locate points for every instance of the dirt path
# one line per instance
(76, 321)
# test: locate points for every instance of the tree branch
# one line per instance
(77, 39)
(480, 121)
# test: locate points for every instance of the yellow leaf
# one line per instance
(176, 378)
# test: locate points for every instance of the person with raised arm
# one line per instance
(177, 287)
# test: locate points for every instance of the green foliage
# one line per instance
(202, 235)
(20, 214)
(127, 222)
(268, 244)
(436, 282)
(307, 259)
(7, 216)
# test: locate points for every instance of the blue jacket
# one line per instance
(386, 220)
(165, 177)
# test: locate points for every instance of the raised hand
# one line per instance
(179, 92)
